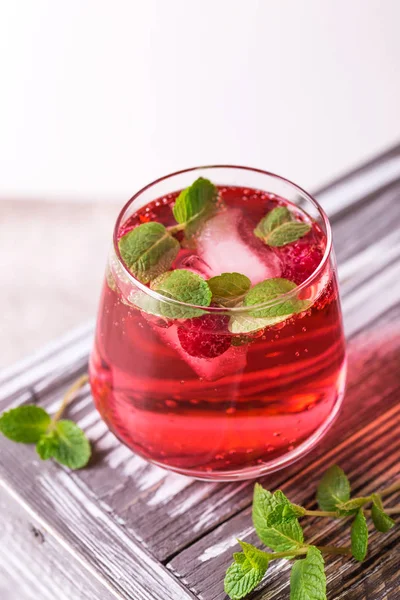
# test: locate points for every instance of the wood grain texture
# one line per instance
(98, 542)
(122, 517)
(23, 541)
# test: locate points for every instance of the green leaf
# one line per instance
(333, 489)
(354, 503)
(67, 444)
(195, 204)
(359, 536)
(286, 512)
(278, 228)
(184, 286)
(24, 424)
(246, 572)
(229, 288)
(282, 534)
(244, 323)
(275, 218)
(381, 520)
(239, 557)
(47, 445)
(287, 233)
(270, 290)
(148, 250)
(264, 502)
(308, 579)
(257, 558)
(377, 500)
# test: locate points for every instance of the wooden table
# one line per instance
(123, 528)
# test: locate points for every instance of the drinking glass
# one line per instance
(263, 402)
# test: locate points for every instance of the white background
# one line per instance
(99, 97)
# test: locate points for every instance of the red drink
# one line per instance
(195, 395)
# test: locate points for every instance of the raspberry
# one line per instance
(299, 260)
(204, 336)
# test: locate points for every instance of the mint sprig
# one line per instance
(229, 288)
(195, 204)
(359, 536)
(279, 228)
(270, 290)
(246, 572)
(62, 439)
(333, 489)
(276, 521)
(25, 424)
(150, 249)
(381, 520)
(308, 579)
(277, 307)
(184, 286)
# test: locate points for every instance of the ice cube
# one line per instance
(225, 250)
(231, 362)
(189, 260)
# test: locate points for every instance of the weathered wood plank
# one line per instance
(100, 544)
(23, 541)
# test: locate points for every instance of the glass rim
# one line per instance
(217, 309)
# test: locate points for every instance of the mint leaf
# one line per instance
(244, 323)
(239, 557)
(24, 424)
(195, 204)
(359, 536)
(354, 503)
(257, 558)
(264, 503)
(47, 445)
(377, 500)
(278, 228)
(246, 572)
(184, 286)
(381, 520)
(229, 288)
(287, 233)
(275, 218)
(148, 250)
(282, 534)
(287, 512)
(269, 290)
(333, 489)
(67, 444)
(308, 579)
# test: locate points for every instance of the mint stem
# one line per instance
(335, 550)
(299, 551)
(172, 229)
(322, 513)
(69, 396)
(336, 515)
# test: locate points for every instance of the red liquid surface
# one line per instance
(191, 396)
